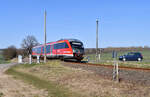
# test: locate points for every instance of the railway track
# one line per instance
(136, 76)
(111, 66)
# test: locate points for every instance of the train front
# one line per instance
(78, 49)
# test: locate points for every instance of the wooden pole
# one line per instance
(45, 36)
(96, 40)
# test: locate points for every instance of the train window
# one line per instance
(51, 48)
(55, 46)
(48, 49)
(39, 50)
(66, 45)
(33, 50)
(76, 44)
(42, 50)
(61, 45)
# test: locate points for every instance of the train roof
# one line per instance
(70, 40)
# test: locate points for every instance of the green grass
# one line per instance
(1, 94)
(1, 59)
(42, 70)
(28, 65)
(54, 90)
(106, 58)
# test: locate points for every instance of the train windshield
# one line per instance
(76, 44)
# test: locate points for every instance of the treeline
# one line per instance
(30, 41)
(12, 52)
(26, 48)
(1, 51)
(117, 49)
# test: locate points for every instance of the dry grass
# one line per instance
(11, 87)
(85, 83)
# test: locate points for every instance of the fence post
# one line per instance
(117, 72)
(115, 69)
(99, 57)
(30, 59)
(19, 59)
(38, 59)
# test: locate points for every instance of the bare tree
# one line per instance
(28, 43)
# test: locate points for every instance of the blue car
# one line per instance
(132, 56)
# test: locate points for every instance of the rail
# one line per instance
(111, 66)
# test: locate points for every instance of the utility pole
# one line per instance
(45, 36)
(96, 39)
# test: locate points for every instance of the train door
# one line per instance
(55, 50)
(42, 52)
(51, 50)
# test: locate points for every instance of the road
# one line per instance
(11, 87)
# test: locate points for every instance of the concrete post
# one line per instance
(45, 36)
(30, 59)
(99, 57)
(96, 40)
(117, 72)
(38, 59)
(19, 59)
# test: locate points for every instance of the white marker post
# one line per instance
(30, 59)
(99, 57)
(117, 72)
(19, 59)
(38, 59)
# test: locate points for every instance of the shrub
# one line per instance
(9, 52)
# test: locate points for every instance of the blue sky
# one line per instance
(122, 23)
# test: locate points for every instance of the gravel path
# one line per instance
(3, 67)
(132, 76)
(11, 87)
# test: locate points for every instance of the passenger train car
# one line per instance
(63, 49)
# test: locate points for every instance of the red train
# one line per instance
(63, 49)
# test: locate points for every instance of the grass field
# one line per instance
(35, 78)
(1, 59)
(106, 58)
(61, 81)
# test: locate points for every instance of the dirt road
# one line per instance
(11, 87)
